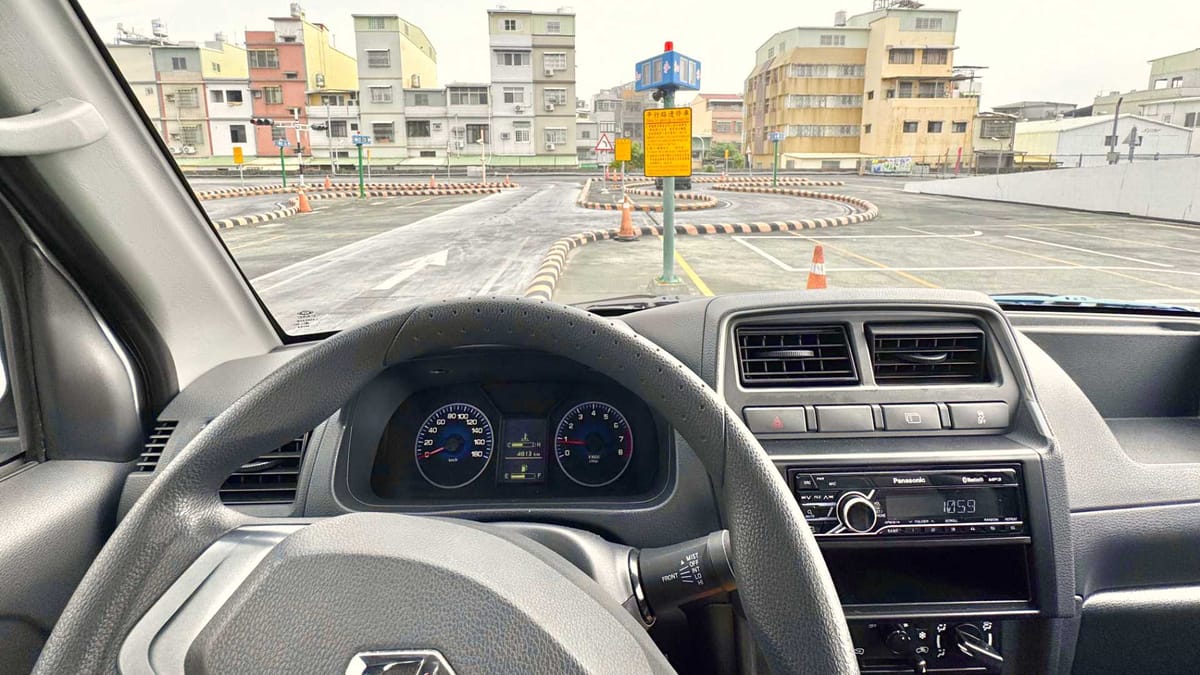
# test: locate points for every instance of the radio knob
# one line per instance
(856, 512)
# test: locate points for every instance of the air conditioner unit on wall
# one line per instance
(518, 108)
(549, 72)
(549, 146)
(504, 135)
(549, 107)
(437, 126)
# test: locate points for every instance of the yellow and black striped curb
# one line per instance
(550, 271)
(254, 219)
(704, 201)
(853, 201)
(413, 188)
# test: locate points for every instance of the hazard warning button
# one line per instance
(788, 420)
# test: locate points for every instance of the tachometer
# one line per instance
(593, 444)
(454, 445)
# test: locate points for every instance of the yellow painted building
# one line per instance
(327, 68)
(880, 84)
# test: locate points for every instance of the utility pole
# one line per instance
(329, 139)
(1113, 155)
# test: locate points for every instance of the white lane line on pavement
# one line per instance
(782, 265)
(344, 252)
(1004, 268)
(256, 243)
(419, 201)
(784, 235)
(1088, 251)
(1136, 242)
(412, 267)
(503, 268)
(377, 203)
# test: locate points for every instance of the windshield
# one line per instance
(353, 158)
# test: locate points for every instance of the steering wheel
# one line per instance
(351, 584)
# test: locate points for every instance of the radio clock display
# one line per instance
(936, 505)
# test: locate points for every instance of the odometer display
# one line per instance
(593, 444)
(454, 445)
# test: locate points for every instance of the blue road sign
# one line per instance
(360, 139)
(281, 143)
(669, 70)
(775, 136)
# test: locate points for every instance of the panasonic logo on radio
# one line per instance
(914, 480)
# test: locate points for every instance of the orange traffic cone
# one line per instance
(432, 181)
(303, 205)
(507, 180)
(328, 183)
(816, 274)
(627, 233)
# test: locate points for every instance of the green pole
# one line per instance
(775, 167)
(282, 167)
(668, 270)
(361, 187)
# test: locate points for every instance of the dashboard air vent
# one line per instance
(943, 353)
(268, 479)
(153, 450)
(794, 356)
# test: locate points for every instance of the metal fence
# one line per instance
(949, 165)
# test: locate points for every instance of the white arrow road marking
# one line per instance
(415, 265)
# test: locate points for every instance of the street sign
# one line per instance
(775, 136)
(604, 144)
(238, 158)
(669, 70)
(624, 150)
(726, 153)
(668, 136)
(360, 139)
(282, 143)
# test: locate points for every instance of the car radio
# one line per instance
(985, 501)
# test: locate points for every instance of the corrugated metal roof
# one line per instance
(1069, 123)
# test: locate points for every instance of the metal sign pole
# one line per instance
(282, 166)
(668, 204)
(775, 166)
(361, 187)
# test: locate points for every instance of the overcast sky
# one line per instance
(1060, 50)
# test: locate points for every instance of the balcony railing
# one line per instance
(334, 111)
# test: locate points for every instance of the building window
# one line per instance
(233, 96)
(825, 70)
(417, 128)
(930, 23)
(514, 95)
(278, 133)
(605, 106)
(556, 135)
(871, 95)
(191, 134)
(866, 128)
(722, 127)
(1189, 120)
(237, 133)
(1160, 83)
(415, 81)
(911, 127)
(824, 101)
(737, 127)
(385, 132)
(555, 96)
(608, 127)
(934, 56)
(376, 23)
(217, 96)
(469, 96)
(337, 128)
(1176, 82)
(263, 58)
(992, 129)
(178, 63)
(833, 40)
(770, 52)
(521, 131)
(906, 89)
(379, 58)
(429, 153)
(934, 127)
(216, 67)
(932, 90)
(381, 94)
(477, 131)
(822, 130)
(556, 61)
(553, 26)
(291, 75)
(959, 127)
(1110, 141)
(512, 58)
(585, 134)
(510, 24)
(272, 95)
(420, 99)
(902, 56)
(187, 98)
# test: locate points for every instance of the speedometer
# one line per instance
(593, 444)
(454, 445)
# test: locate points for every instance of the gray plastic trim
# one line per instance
(65, 124)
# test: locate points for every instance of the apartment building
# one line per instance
(716, 118)
(293, 66)
(1171, 95)
(201, 94)
(587, 134)
(533, 96)
(136, 64)
(393, 55)
(879, 84)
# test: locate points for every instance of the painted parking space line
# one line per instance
(770, 258)
(256, 243)
(846, 252)
(974, 233)
(1062, 262)
(1018, 268)
(1088, 251)
(1137, 242)
(419, 201)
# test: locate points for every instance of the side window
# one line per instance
(10, 441)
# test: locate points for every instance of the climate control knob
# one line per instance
(856, 513)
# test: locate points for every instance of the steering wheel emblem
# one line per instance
(400, 662)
